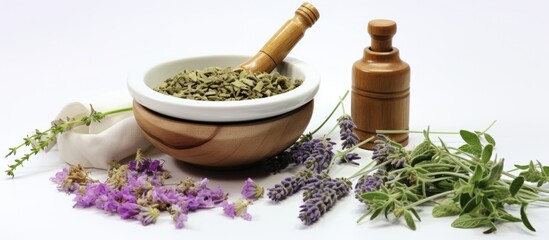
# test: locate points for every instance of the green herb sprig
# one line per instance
(40, 140)
(468, 182)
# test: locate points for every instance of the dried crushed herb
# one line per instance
(226, 84)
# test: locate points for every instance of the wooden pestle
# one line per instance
(282, 42)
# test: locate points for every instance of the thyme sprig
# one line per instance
(468, 182)
(40, 140)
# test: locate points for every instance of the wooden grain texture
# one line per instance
(380, 98)
(283, 41)
(223, 144)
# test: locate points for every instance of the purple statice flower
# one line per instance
(179, 215)
(198, 195)
(288, 186)
(321, 194)
(90, 194)
(148, 215)
(70, 180)
(146, 166)
(251, 190)
(237, 209)
(128, 210)
(350, 158)
(386, 150)
(164, 195)
(60, 176)
(346, 127)
(370, 183)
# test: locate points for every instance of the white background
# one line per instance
(472, 62)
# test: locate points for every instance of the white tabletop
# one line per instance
(472, 62)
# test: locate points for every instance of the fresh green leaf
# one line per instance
(516, 184)
(471, 221)
(546, 170)
(470, 206)
(488, 204)
(522, 167)
(415, 214)
(376, 213)
(487, 153)
(371, 196)
(491, 229)
(424, 148)
(421, 158)
(477, 175)
(524, 218)
(464, 199)
(409, 220)
(472, 139)
(489, 139)
(466, 148)
(494, 176)
(531, 174)
(446, 208)
(507, 217)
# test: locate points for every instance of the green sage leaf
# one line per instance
(491, 229)
(415, 214)
(409, 220)
(489, 139)
(466, 148)
(464, 198)
(371, 196)
(470, 206)
(421, 158)
(447, 208)
(546, 170)
(472, 139)
(524, 218)
(488, 205)
(522, 167)
(487, 153)
(376, 213)
(494, 176)
(477, 175)
(471, 221)
(516, 185)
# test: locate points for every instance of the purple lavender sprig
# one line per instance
(386, 150)
(322, 194)
(288, 186)
(369, 183)
(346, 127)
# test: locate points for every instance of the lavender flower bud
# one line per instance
(288, 186)
(369, 183)
(350, 158)
(385, 150)
(322, 198)
(346, 126)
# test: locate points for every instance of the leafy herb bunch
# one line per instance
(467, 182)
(315, 157)
(42, 140)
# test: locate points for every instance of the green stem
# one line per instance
(453, 174)
(431, 198)
(332, 113)
(363, 170)
(121, 110)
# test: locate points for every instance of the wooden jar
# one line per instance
(380, 98)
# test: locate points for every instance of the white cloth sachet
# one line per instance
(115, 137)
